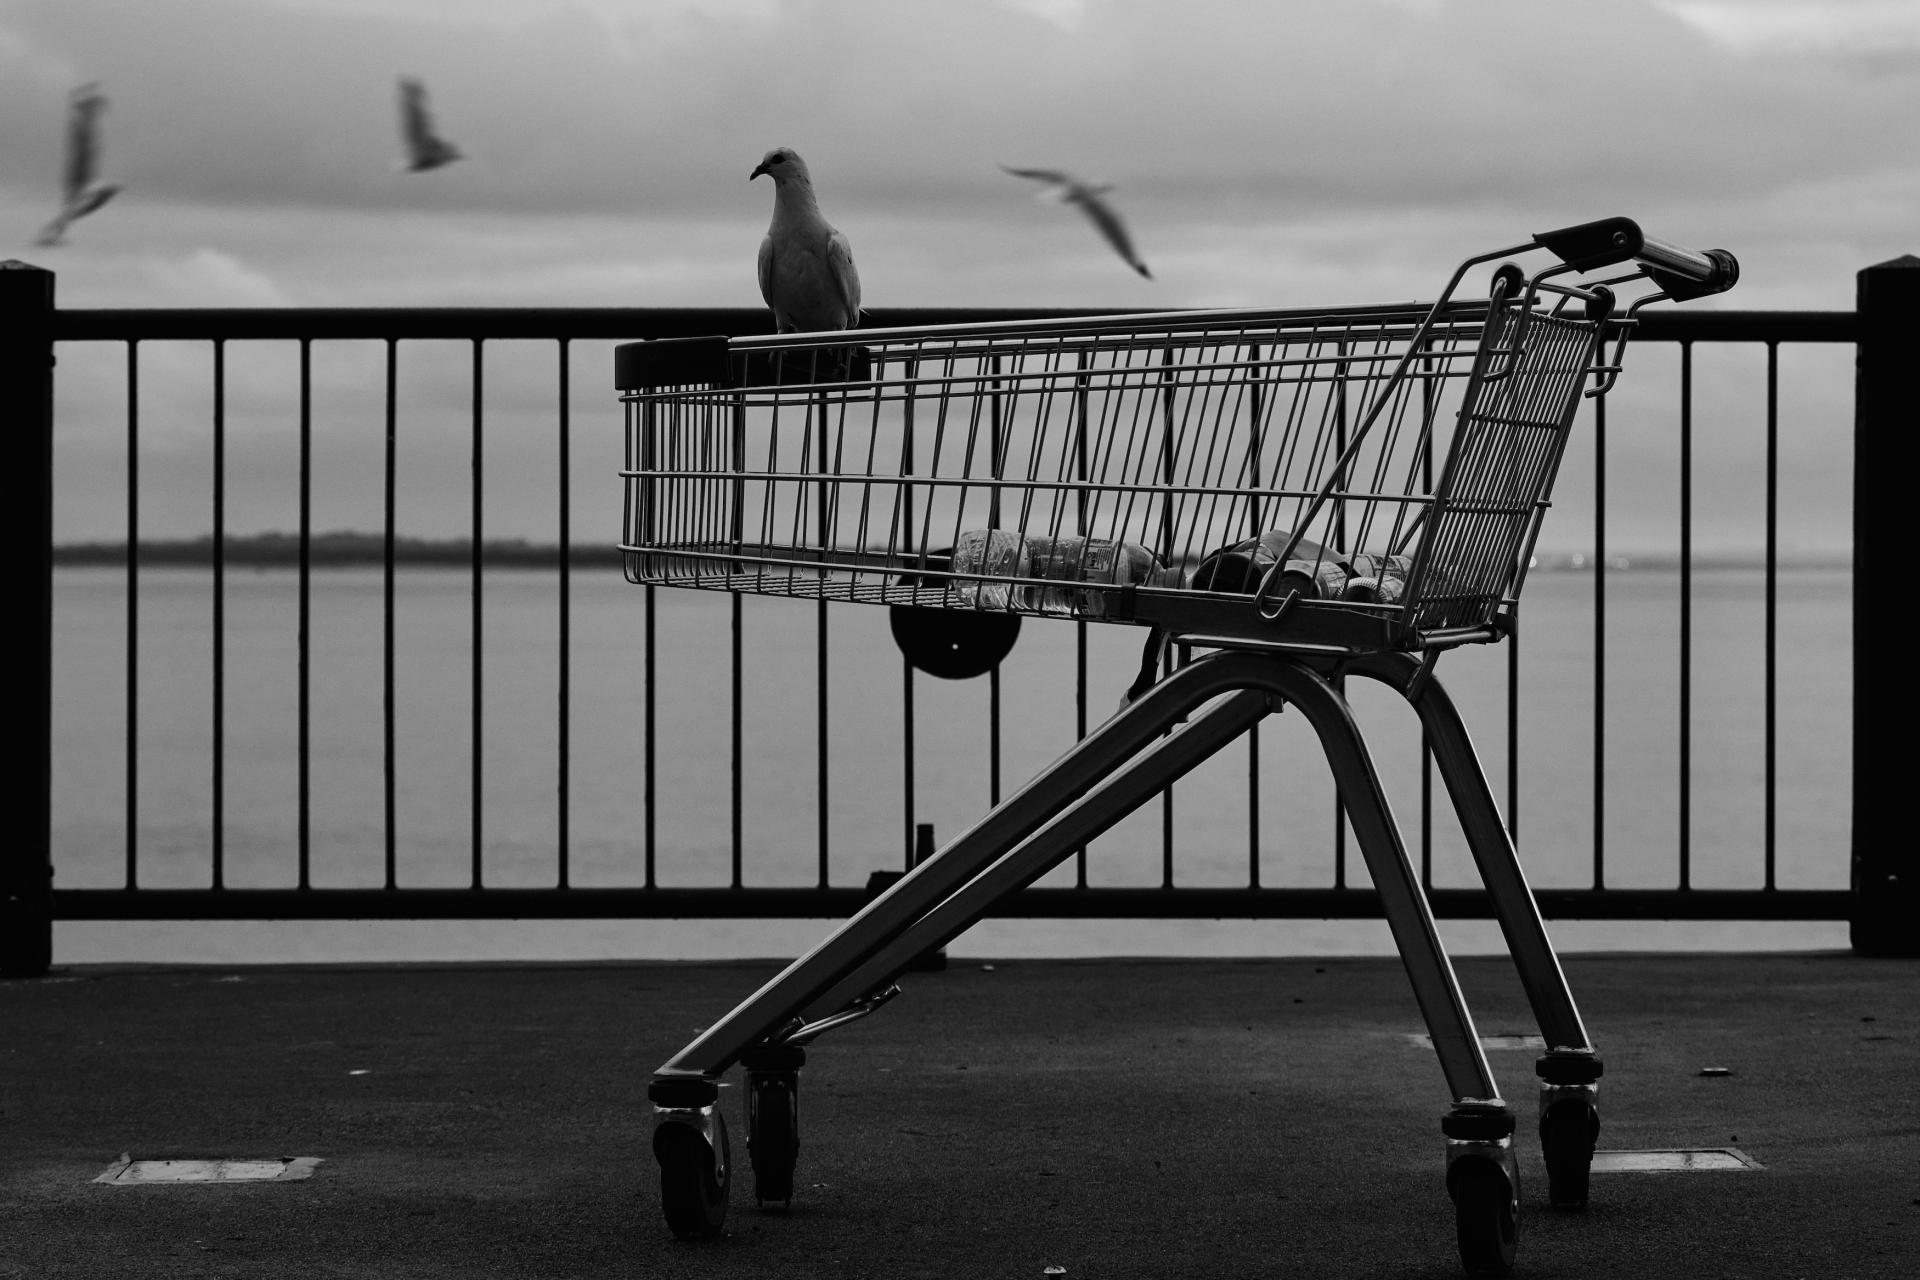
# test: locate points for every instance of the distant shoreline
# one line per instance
(340, 549)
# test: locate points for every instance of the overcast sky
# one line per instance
(1289, 153)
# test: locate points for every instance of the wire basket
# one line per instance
(1354, 478)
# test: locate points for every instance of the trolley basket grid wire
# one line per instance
(1383, 468)
(1307, 496)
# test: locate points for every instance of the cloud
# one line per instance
(207, 277)
(908, 105)
(1798, 26)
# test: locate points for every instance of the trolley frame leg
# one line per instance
(939, 898)
(1402, 899)
(1570, 1070)
(1493, 852)
(1160, 765)
(801, 984)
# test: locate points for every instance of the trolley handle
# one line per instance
(1682, 273)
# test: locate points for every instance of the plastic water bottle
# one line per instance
(992, 553)
(1000, 554)
(1075, 559)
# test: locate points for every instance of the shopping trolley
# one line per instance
(1305, 497)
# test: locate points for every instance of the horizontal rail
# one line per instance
(817, 903)
(454, 323)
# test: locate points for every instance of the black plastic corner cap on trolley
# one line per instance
(708, 360)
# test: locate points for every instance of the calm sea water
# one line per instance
(1638, 820)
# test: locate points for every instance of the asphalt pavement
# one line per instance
(1115, 1118)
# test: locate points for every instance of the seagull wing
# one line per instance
(846, 279)
(90, 199)
(1114, 230)
(425, 148)
(83, 141)
(416, 125)
(1041, 175)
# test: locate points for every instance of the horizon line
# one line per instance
(346, 546)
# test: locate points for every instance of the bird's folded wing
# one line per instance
(845, 278)
(766, 269)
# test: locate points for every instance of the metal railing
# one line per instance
(33, 328)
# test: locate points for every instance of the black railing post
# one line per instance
(26, 644)
(1886, 444)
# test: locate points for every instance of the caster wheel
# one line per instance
(694, 1178)
(1568, 1131)
(1485, 1215)
(773, 1137)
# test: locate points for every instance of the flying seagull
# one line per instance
(425, 148)
(806, 267)
(1068, 189)
(80, 194)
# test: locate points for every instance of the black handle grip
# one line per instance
(1683, 273)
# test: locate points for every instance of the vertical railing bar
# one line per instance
(28, 361)
(1080, 729)
(1426, 738)
(1166, 793)
(906, 755)
(996, 462)
(1253, 807)
(993, 735)
(1339, 528)
(1081, 383)
(736, 735)
(133, 613)
(386, 619)
(1773, 547)
(829, 496)
(1339, 811)
(474, 794)
(563, 798)
(1168, 460)
(1686, 614)
(303, 715)
(649, 740)
(219, 780)
(910, 838)
(1513, 730)
(1599, 642)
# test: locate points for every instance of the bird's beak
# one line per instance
(758, 170)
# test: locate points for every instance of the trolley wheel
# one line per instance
(773, 1136)
(1568, 1130)
(693, 1191)
(1485, 1215)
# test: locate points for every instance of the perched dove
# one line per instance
(806, 267)
(80, 195)
(425, 148)
(1068, 189)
